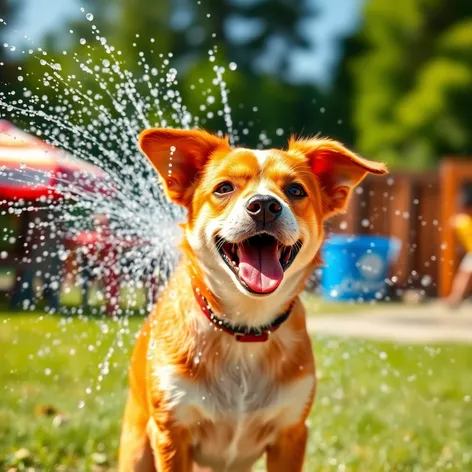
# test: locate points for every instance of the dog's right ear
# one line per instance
(179, 155)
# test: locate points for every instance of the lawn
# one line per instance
(380, 407)
(134, 299)
(316, 305)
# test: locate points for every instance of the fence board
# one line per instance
(404, 205)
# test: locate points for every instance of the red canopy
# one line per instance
(31, 168)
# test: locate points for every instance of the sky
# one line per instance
(335, 19)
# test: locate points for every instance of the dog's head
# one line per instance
(255, 218)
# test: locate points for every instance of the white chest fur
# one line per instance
(237, 413)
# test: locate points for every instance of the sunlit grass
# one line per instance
(380, 407)
(315, 305)
(133, 298)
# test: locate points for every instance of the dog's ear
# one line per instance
(337, 169)
(179, 155)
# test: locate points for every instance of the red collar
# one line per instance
(242, 333)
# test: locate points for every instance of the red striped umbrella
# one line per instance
(31, 168)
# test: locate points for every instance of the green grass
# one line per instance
(134, 299)
(315, 305)
(380, 407)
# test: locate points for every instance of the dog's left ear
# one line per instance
(179, 155)
(337, 169)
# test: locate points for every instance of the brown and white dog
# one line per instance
(223, 370)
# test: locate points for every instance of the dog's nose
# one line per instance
(263, 208)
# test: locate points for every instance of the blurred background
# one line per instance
(391, 79)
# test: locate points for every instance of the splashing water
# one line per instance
(126, 206)
(115, 225)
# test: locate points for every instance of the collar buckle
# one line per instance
(263, 336)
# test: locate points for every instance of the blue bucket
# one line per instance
(355, 267)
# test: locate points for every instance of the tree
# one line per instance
(412, 81)
(8, 13)
(190, 30)
(271, 29)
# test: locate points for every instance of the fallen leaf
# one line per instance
(46, 410)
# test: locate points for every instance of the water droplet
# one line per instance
(82, 40)
(426, 280)
(171, 75)
(89, 16)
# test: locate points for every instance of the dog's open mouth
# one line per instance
(259, 262)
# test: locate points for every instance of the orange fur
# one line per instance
(198, 398)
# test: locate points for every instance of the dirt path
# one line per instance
(429, 323)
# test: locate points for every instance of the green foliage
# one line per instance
(412, 81)
(8, 13)
(265, 107)
(362, 418)
(402, 92)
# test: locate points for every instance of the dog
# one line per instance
(223, 370)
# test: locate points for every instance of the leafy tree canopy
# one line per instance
(412, 81)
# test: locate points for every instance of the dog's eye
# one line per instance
(223, 189)
(296, 191)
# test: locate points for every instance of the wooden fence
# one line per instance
(406, 206)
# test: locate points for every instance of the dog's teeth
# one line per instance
(288, 254)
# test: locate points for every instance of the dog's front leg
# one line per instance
(172, 448)
(288, 452)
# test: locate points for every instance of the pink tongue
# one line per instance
(259, 267)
